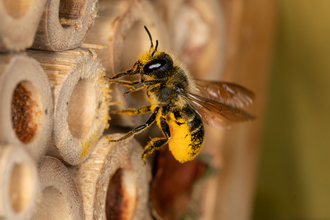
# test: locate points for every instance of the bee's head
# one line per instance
(154, 63)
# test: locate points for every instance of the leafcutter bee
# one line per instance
(180, 104)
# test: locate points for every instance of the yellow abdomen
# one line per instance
(181, 143)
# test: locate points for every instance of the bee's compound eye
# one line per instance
(154, 65)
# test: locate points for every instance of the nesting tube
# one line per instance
(197, 30)
(64, 24)
(59, 198)
(19, 23)
(120, 27)
(19, 183)
(26, 113)
(81, 101)
(114, 181)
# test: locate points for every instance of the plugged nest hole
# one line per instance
(20, 186)
(121, 196)
(26, 111)
(17, 8)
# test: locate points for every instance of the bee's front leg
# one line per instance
(124, 82)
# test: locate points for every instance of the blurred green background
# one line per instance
(294, 168)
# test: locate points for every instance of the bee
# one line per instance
(179, 103)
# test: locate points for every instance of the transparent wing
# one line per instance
(223, 92)
(216, 114)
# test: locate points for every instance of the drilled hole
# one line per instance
(70, 12)
(26, 111)
(81, 108)
(20, 186)
(121, 196)
(17, 8)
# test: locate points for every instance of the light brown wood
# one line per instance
(26, 113)
(19, 21)
(19, 183)
(197, 35)
(59, 197)
(81, 101)
(64, 24)
(120, 27)
(250, 32)
(92, 178)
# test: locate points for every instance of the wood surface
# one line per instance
(80, 98)
(26, 113)
(128, 199)
(19, 21)
(19, 183)
(59, 198)
(64, 24)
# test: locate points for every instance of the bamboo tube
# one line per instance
(81, 101)
(26, 108)
(197, 31)
(19, 183)
(114, 181)
(19, 23)
(120, 27)
(64, 24)
(59, 198)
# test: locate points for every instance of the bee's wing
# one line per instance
(223, 92)
(216, 114)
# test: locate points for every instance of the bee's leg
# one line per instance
(142, 85)
(121, 74)
(140, 128)
(135, 88)
(128, 72)
(139, 111)
(124, 82)
(156, 143)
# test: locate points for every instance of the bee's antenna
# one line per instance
(152, 45)
(155, 48)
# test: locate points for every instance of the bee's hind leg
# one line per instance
(156, 143)
(132, 111)
(140, 128)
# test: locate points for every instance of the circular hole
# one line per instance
(26, 111)
(70, 12)
(136, 41)
(53, 206)
(81, 108)
(17, 8)
(21, 186)
(121, 196)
